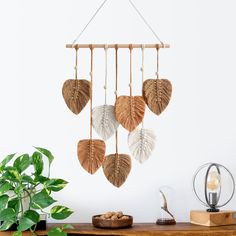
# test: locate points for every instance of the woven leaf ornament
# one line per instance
(141, 143)
(116, 168)
(157, 94)
(76, 93)
(130, 111)
(104, 121)
(91, 154)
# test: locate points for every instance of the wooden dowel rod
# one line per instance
(117, 45)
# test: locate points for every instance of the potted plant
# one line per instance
(22, 180)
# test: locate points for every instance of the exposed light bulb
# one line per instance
(213, 180)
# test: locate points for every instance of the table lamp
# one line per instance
(214, 187)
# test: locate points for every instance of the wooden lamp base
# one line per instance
(213, 218)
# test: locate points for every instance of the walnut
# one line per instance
(119, 214)
(114, 217)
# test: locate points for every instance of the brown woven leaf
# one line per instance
(91, 154)
(129, 111)
(157, 94)
(116, 168)
(76, 94)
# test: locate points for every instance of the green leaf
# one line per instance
(55, 184)
(56, 232)
(29, 219)
(7, 214)
(3, 201)
(7, 224)
(27, 179)
(41, 179)
(37, 160)
(14, 204)
(19, 189)
(12, 174)
(41, 200)
(60, 212)
(22, 162)
(5, 187)
(5, 161)
(17, 233)
(47, 153)
(67, 226)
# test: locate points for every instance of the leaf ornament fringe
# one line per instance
(141, 143)
(104, 121)
(91, 154)
(116, 168)
(157, 94)
(76, 94)
(129, 111)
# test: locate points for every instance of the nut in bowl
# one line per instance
(112, 220)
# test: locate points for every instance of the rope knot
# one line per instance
(106, 47)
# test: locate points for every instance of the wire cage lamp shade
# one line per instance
(213, 185)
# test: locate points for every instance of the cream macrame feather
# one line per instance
(141, 143)
(104, 121)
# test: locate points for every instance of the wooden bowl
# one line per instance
(112, 224)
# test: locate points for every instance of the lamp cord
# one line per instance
(136, 10)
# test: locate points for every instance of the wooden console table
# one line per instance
(146, 229)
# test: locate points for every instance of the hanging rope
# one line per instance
(142, 67)
(136, 10)
(142, 70)
(157, 71)
(116, 92)
(91, 19)
(76, 63)
(130, 68)
(91, 91)
(105, 85)
(145, 21)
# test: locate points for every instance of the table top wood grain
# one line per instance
(145, 229)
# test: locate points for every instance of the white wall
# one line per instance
(197, 127)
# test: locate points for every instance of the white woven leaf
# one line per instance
(141, 143)
(104, 121)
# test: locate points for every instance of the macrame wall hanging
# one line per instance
(128, 110)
